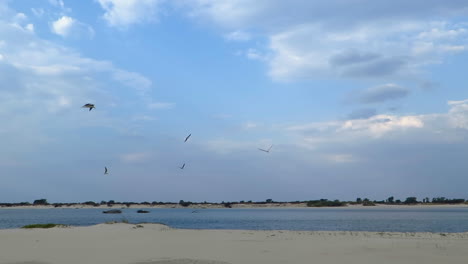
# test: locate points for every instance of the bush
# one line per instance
(411, 200)
(40, 202)
(184, 204)
(368, 203)
(444, 200)
(325, 203)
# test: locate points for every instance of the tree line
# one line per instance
(310, 203)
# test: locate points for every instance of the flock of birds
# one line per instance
(106, 171)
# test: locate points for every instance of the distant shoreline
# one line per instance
(222, 206)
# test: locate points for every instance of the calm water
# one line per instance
(349, 219)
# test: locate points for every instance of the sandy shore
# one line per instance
(159, 244)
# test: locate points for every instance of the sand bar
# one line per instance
(159, 244)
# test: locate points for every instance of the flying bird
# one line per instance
(105, 170)
(266, 150)
(90, 106)
(182, 167)
(187, 137)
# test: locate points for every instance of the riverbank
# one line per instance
(158, 244)
(214, 206)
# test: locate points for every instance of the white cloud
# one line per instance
(306, 44)
(458, 114)
(133, 79)
(42, 78)
(58, 3)
(20, 17)
(238, 35)
(453, 48)
(379, 125)
(254, 54)
(67, 26)
(308, 51)
(430, 128)
(62, 26)
(442, 33)
(351, 131)
(30, 27)
(122, 13)
(38, 12)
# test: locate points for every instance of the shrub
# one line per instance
(325, 203)
(411, 200)
(368, 203)
(184, 204)
(40, 202)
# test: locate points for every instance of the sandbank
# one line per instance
(158, 244)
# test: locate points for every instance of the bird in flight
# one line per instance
(90, 106)
(266, 150)
(105, 170)
(187, 137)
(182, 167)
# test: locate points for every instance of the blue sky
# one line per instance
(360, 98)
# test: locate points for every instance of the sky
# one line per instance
(359, 98)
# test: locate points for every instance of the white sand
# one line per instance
(158, 244)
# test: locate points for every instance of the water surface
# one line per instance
(310, 219)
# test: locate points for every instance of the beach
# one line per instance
(121, 243)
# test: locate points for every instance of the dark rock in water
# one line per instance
(142, 211)
(112, 211)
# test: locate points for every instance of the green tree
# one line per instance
(390, 199)
(411, 200)
(40, 202)
(184, 204)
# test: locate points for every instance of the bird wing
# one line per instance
(262, 150)
(187, 138)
